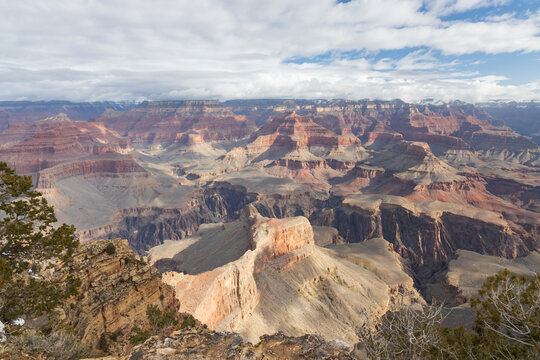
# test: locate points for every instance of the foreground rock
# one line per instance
(117, 286)
(221, 345)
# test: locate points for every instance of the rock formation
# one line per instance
(117, 286)
(225, 345)
(226, 291)
(30, 111)
(259, 275)
(162, 121)
(297, 137)
(56, 141)
(521, 117)
(428, 233)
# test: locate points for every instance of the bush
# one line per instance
(405, 334)
(138, 336)
(508, 315)
(110, 248)
(189, 321)
(57, 345)
(160, 320)
(507, 326)
(114, 336)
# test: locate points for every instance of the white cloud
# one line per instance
(447, 7)
(110, 49)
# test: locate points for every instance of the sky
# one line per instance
(95, 50)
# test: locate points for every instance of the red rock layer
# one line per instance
(452, 126)
(43, 144)
(170, 120)
(104, 167)
(301, 130)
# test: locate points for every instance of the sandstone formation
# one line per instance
(63, 148)
(117, 286)
(259, 275)
(414, 161)
(521, 117)
(177, 120)
(299, 138)
(31, 111)
(225, 292)
(428, 233)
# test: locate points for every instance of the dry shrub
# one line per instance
(57, 345)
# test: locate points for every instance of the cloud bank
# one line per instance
(89, 50)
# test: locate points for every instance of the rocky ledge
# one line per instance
(204, 344)
(117, 286)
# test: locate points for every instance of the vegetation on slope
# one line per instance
(507, 326)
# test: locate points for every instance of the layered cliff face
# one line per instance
(297, 137)
(220, 290)
(258, 275)
(117, 286)
(66, 148)
(29, 111)
(521, 117)
(166, 121)
(294, 147)
(148, 226)
(414, 161)
(469, 270)
(65, 136)
(428, 233)
(454, 126)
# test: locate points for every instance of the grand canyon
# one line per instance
(290, 216)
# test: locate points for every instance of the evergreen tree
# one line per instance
(30, 248)
(508, 315)
(507, 326)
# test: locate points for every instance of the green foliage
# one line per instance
(508, 315)
(138, 336)
(507, 326)
(160, 320)
(110, 248)
(30, 247)
(189, 321)
(461, 344)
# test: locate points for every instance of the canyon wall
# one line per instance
(116, 287)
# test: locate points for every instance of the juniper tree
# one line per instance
(508, 315)
(31, 246)
(507, 326)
